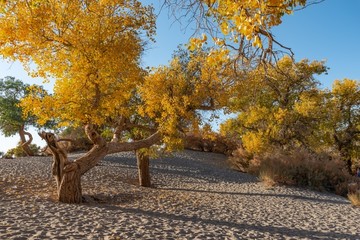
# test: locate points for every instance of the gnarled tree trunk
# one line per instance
(143, 165)
(25, 144)
(68, 173)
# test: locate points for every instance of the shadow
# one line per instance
(272, 230)
(109, 200)
(296, 197)
(209, 167)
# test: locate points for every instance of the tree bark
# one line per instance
(25, 144)
(143, 165)
(344, 147)
(114, 147)
(68, 173)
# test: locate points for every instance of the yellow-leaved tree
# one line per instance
(244, 26)
(267, 102)
(344, 117)
(175, 95)
(338, 128)
(92, 49)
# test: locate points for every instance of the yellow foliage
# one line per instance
(277, 104)
(172, 95)
(197, 43)
(249, 18)
(254, 142)
(309, 104)
(346, 88)
(280, 115)
(92, 49)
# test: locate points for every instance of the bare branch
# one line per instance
(114, 147)
(29, 141)
(309, 4)
(65, 140)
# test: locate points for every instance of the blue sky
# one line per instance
(328, 31)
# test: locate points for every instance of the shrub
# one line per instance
(355, 198)
(209, 143)
(19, 152)
(240, 160)
(299, 167)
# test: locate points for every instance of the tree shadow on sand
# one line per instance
(272, 230)
(209, 167)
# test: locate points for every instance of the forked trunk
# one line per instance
(143, 165)
(68, 173)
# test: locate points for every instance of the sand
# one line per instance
(195, 196)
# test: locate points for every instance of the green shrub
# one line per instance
(19, 152)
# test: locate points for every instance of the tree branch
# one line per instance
(114, 147)
(28, 142)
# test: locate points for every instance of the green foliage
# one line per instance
(107, 134)
(19, 152)
(11, 119)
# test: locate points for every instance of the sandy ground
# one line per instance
(195, 196)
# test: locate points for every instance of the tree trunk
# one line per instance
(349, 166)
(343, 146)
(70, 187)
(68, 173)
(143, 165)
(346, 156)
(25, 144)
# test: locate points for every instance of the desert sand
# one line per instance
(195, 196)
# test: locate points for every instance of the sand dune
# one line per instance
(195, 196)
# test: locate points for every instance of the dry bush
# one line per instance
(79, 144)
(354, 192)
(355, 198)
(354, 186)
(240, 160)
(301, 168)
(216, 143)
(298, 167)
